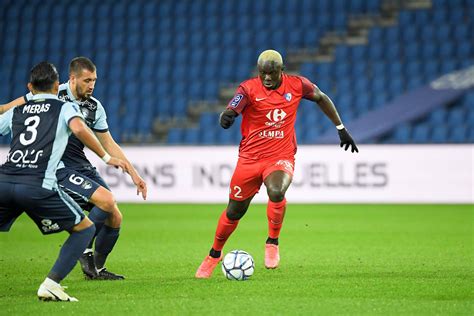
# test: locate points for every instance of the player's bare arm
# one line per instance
(11, 104)
(328, 107)
(114, 149)
(85, 135)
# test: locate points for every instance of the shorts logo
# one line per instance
(86, 185)
(286, 164)
(288, 97)
(236, 100)
(48, 225)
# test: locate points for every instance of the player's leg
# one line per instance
(108, 232)
(226, 225)
(72, 249)
(91, 193)
(244, 184)
(81, 188)
(54, 212)
(277, 181)
(8, 212)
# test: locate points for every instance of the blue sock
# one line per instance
(98, 217)
(104, 244)
(70, 253)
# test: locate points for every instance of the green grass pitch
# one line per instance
(335, 259)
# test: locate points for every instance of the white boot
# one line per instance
(52, 291)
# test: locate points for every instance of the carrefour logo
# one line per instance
(276, 115)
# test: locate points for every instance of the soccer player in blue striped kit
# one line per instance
(40, 131)
(78, 177)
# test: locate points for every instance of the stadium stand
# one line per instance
(166, 68)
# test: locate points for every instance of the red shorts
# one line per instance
(249, 175)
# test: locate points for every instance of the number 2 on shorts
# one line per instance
(238, 190)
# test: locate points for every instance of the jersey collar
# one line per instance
(44, 96)
(69, 92)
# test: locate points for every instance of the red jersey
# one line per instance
(268, 116)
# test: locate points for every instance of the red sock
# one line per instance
(275, 215)
(225, 227)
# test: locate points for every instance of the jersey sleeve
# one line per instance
(240, 100)
(28, 96)
(70, 111)
(308, 87)
(6, 122)
(100, 124)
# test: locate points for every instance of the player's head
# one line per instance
(44, 78)
(82, 76)
(270, 67)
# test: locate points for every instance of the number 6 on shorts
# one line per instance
(77, 180)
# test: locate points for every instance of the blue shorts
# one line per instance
(80, 184)
(52, 211)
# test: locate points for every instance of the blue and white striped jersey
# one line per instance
(39, 136)
(95, 117)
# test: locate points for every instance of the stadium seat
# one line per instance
(191, 136)
(470, 135)
(459, 134)
(431, 69)
(375, 34)
(439, 134)
(401, 134)
(225, 137)
(421, 133)
(405, 18)
(437, 117)
(456, 117)
(207, 136)
(175, 136)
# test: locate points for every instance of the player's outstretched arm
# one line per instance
(85, 135)
(114, 149)
(327, 106)
(227, 118)
(11, 104)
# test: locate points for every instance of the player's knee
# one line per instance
(275, 194)
(235, 214)
(86, 223)
(118, 217)
(107, 203)
(115, 219)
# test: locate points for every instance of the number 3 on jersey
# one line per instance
(30, 128)
(236, 191)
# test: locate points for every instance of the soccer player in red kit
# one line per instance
(268, 105)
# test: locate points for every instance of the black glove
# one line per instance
(227, 118)
(346, 139)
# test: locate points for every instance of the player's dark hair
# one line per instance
(43, 76)
(80, 63)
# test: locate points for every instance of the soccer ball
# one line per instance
(238, 265)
